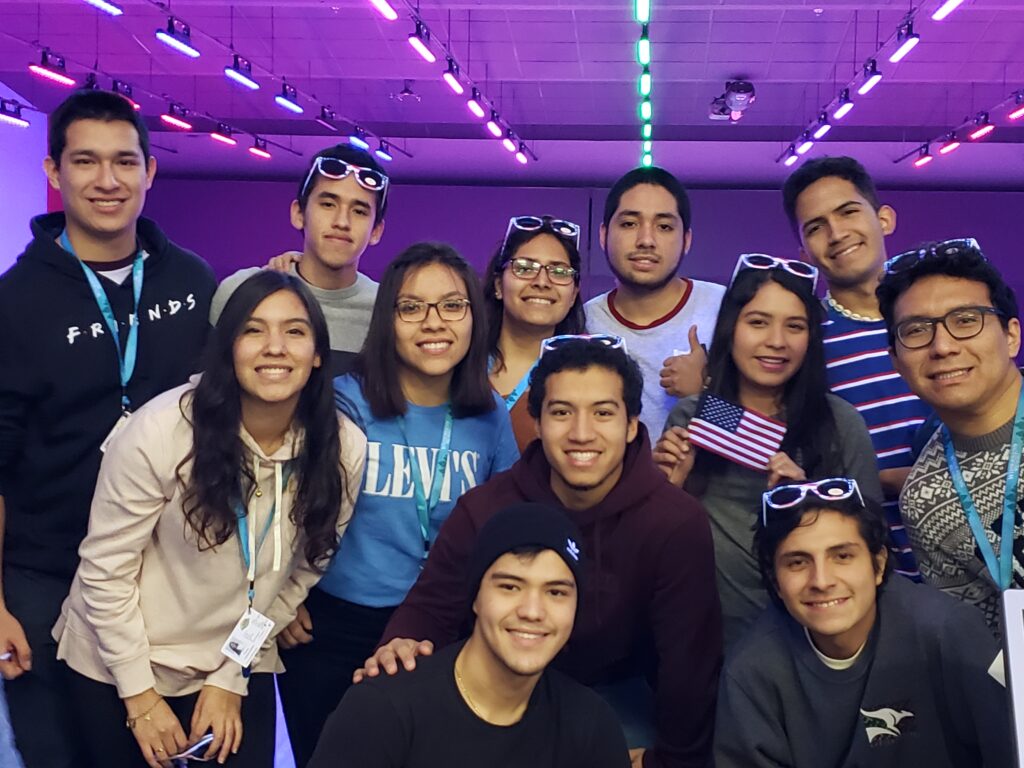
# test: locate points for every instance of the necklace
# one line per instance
(847, 312)
(465, 692)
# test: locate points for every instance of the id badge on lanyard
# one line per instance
(253, 628)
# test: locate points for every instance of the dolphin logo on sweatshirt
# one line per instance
(883, 725)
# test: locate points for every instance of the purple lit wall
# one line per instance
(234, 224)
(21, 157)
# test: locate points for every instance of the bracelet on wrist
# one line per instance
(131, 721)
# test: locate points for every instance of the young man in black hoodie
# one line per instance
(651, 611)
(98, 315)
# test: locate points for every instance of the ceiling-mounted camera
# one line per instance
(739, 94)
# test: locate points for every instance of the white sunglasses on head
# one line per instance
(764, 261)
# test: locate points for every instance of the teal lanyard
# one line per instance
(125, 359)
(1001, 568)
(423, 506)
(524, 384)
(242, 514)
(521, 387)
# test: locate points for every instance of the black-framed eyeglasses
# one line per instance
(961, 323)
(331, 167)
(528, 269)
(787, 496)
(449, 310)
(764, 261)
(604, 339)
(960, 246)
(563, 228)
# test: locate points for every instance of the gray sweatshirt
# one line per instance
(918, 696)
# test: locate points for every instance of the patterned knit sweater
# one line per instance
(947, 553)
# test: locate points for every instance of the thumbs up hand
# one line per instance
(683, 375)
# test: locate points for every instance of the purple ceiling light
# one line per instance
(908, 40)
(872, 77)
(451, 76)
(476, 104)
(10, 113)
(945, 9)
(53, 68)
(420, 41)
(385, 9)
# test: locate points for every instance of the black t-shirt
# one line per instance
(419, 720)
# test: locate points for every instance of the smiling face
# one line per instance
(525, 610)
(337, 223)
(770, 340)
(584, 429)
(536, 302)
(275, 352)
(645, 239)
(430, 349)
(842, 233)
(102, 178)
(962, 379)
(828, 580)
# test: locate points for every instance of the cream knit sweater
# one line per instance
(147, 608)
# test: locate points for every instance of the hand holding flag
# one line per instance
(740, 435)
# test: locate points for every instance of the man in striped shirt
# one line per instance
(835, 212)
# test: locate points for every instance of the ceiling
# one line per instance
(562, 73)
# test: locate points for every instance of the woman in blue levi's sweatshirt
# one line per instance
(435, 429)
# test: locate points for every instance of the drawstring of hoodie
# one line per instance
(252, 544)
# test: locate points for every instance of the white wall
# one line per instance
(22, 183)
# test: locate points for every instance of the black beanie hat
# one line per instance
(524, 525)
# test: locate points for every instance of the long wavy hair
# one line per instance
(574, 321)
(810, 426)
(222, 477)
(377, 364)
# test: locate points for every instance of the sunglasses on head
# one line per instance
(602, 339)
(788, 496)
(559, 227)
(333, 168)
(960, 246)
(764, 261)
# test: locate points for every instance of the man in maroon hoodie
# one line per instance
(651, 611)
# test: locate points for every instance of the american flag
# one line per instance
(745, 437)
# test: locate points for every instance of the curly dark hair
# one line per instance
(969, 264)
(782, 522)
(573, 323)
(221, 475)
(579, 356)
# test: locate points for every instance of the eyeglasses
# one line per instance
(764, 261)
(528, 269)
(449, 310)
(602, 339)
(788, 496)
(961, 246)
(960, 323)
(560, 227)
(333, 168)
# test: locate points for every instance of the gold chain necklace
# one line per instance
(465, 692)
(847, 312)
